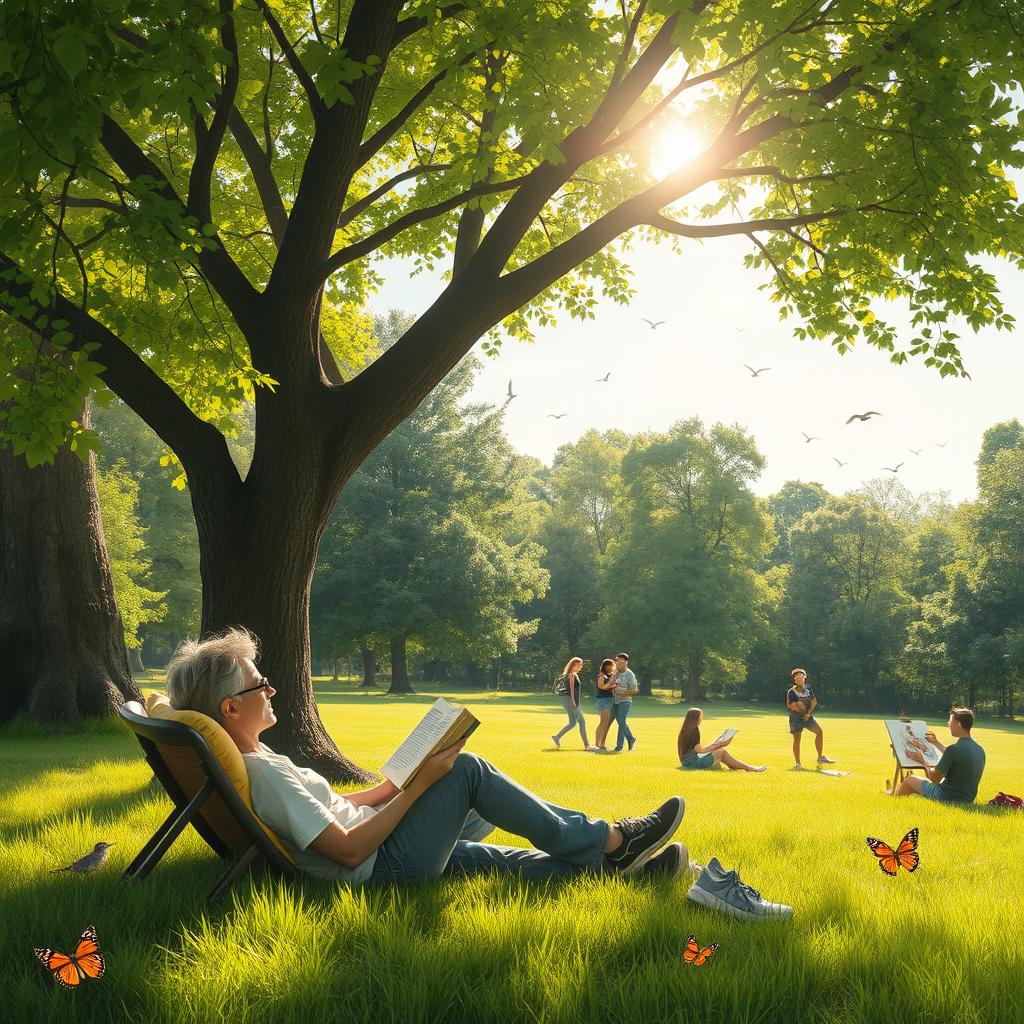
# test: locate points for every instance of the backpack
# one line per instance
(561, 686)
(1007, 800)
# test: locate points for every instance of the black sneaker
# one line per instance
(643, 836)
(669, 863)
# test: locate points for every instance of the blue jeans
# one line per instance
(624, 734)
(428, 840)
(575, 718)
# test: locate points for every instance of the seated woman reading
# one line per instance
(422, 832)
(694, 754)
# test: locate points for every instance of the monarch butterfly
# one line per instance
(693, 954)
(905, 855)
(69, 970)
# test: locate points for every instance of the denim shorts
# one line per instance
(797, 724)
(935, 791)
(604, 703)
(699, 761)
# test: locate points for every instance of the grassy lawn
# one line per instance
(944, 944)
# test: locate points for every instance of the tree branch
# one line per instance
(316, 104)
(350, 213)
(199, 445)
(262, 174)
(208, 142)
(224, 274)
(407, 26)
(367, 245)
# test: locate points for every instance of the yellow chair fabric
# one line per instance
(189, 775)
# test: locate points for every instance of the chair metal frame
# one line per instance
(152, 731)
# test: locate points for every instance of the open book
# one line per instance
(441, 727)
(727, 734)
(908, 736)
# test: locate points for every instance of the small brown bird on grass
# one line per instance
(90, 862)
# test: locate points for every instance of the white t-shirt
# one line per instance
(298, 804)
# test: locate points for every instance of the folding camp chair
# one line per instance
(209, 790)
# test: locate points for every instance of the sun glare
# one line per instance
(676, 147)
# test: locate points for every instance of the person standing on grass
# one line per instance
(384, 834)
(622, 701)
(604, 701)
(955, 779)
(695, 755)
(801, 702)
(568, 685)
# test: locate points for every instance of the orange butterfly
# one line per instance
(904, 856)
(693, 954)
(69, 970)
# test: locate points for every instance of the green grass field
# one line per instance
(944, 944)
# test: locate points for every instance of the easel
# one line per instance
(901, 773)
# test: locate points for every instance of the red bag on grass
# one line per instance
(1007, 800)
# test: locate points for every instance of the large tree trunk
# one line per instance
(369, 665)
(693, 693)
(62, 653)
(256, 559)
(135, 660)
(399, 669)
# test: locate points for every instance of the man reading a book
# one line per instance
(420, 832)
(955, 779)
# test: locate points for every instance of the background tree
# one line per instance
(193, 196)
(126, 552)
(845, 608)
(683, 578)
(420, 546)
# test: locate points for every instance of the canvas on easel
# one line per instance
(905, 736)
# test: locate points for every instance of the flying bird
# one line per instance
(92, 861)
(838, 463)
(915, 451)
(862, 416)
(893, 469)
(654, 326)
(510, 394)
(941, 444)
(556, 416)
(755, 373)
(740, 330)
(604, 379)
(808, 439)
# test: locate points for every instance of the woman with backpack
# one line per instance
(567, 686)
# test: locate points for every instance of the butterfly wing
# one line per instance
(906, 852)
(62, 966)
(887, 859)
(694, 954)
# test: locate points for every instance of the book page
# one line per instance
(908, 736)
(727, 734)
(410, 755)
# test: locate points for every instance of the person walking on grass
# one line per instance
(604, 701)
(384, 834)
(568, 687)
(695, 755)
(801, 702)
(955, 779)
(622, 701)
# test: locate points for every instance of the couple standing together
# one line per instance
(613, 697)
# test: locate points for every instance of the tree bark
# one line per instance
(62, 652)
(694, 691)
(399, 669)
(369, 665)
(644, 684)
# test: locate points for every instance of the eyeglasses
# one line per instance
(264, 685)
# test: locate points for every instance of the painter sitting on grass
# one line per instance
(385, 834)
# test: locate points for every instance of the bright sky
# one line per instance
(717, 320)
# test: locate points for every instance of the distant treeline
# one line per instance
(452, 557)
